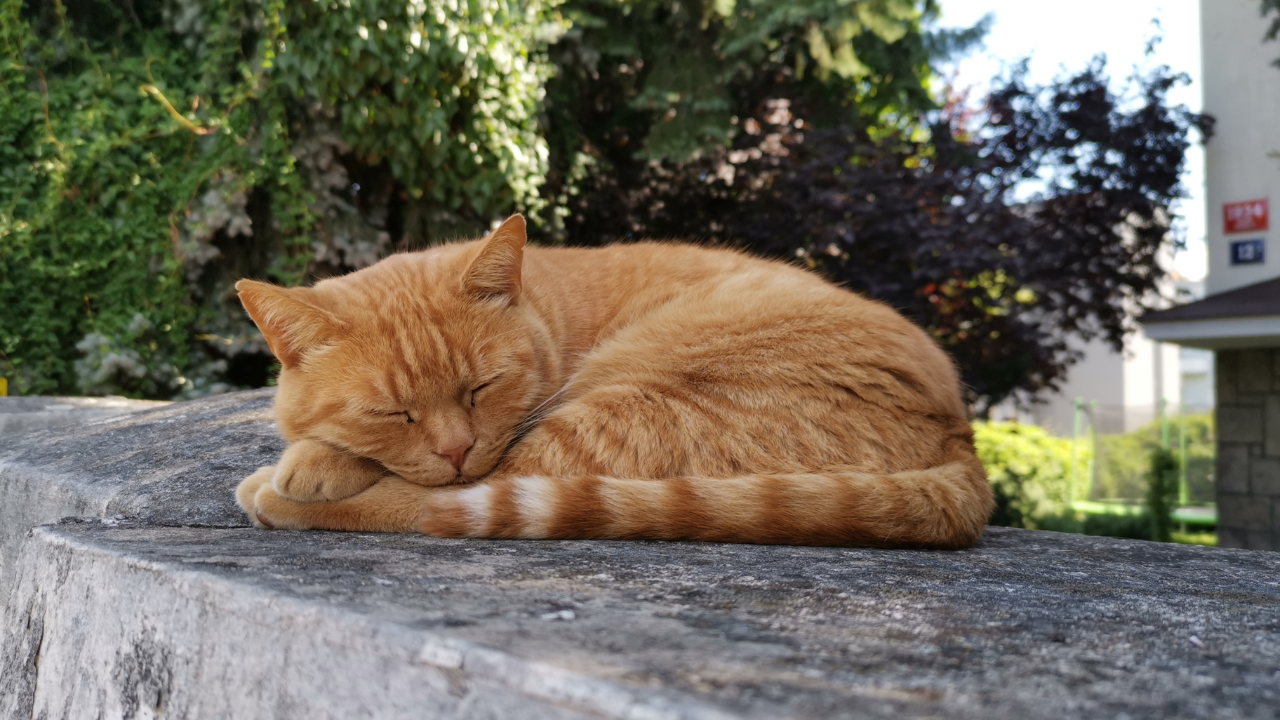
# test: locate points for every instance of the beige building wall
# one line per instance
(1126, 386)
(1241, 90)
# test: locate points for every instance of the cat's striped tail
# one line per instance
(942, 507)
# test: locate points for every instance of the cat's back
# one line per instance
(710, 280)
(641, 264)
(644, 275)
(668, 294)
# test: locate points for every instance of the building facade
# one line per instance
(1239, 319)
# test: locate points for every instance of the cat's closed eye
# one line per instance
(476, 390)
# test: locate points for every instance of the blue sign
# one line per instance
(1248, 252)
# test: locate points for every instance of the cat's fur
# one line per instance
(661, 391)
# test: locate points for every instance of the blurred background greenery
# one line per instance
(154, 151)
(1118, 484)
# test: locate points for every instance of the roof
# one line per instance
(1254, 300)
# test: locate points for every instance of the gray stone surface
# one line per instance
(24, 414)
(1255, 371)
(231, 622)
(1239, 424)
(176, 464)
(1248, 427)
(1232, 469)
(173, 607)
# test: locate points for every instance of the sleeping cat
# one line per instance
(646, 391)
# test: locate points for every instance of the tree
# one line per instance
(1273, 28)
(660, 81)
(154, 151)
(934, 224)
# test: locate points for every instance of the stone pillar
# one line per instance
(1248, 428)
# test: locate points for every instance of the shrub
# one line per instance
(1162, 493)
(1123, 460)
(1030, 471)
(155, 151)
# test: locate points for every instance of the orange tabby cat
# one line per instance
(660, 391)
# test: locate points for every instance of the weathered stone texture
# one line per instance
(1232, 474)
(173, 607)
(1264, 476)
(1246, 512)
(25, 414)
(1271, 424)
(1248, 468)
(1239, 424)
(1255, 371)
(244, 623)
(177, 465)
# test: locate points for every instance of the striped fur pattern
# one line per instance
(647, 391)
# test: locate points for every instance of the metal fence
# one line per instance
(1116, 443)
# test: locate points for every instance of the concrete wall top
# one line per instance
(172, 607)
(27, 413)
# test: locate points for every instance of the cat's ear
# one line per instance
(495, 273)
(291, 325)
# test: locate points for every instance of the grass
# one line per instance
(1196, 538)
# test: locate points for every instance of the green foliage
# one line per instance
(644, 84)
(1162, 493)
(155, 151)
(87, 196)
(1123, 459)
(445, 91)
(1195, 538)
(1030, 471)
(1134, 527)
(646, 80)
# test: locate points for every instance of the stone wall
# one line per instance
(1248, 473)
(25, 414)
(159, 600)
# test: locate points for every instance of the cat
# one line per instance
(641, 391)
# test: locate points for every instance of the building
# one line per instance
(1239, 318)
(1124, 390)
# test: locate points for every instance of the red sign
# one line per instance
(1246, 216)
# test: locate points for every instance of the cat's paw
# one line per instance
(247, 492)
(266, 508)
(311, 471)
(391, 505)
(272, 511)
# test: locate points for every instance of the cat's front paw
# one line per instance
(266, 508)
(391, 505)
(311, 471)
(274, 512)
(247, 493)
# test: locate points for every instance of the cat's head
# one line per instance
(426, 362)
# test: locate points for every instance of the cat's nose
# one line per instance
(457, 454)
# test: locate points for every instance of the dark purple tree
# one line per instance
(1003, 234)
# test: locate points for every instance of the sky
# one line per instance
(1060, 38)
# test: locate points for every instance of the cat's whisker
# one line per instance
(542, 410)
